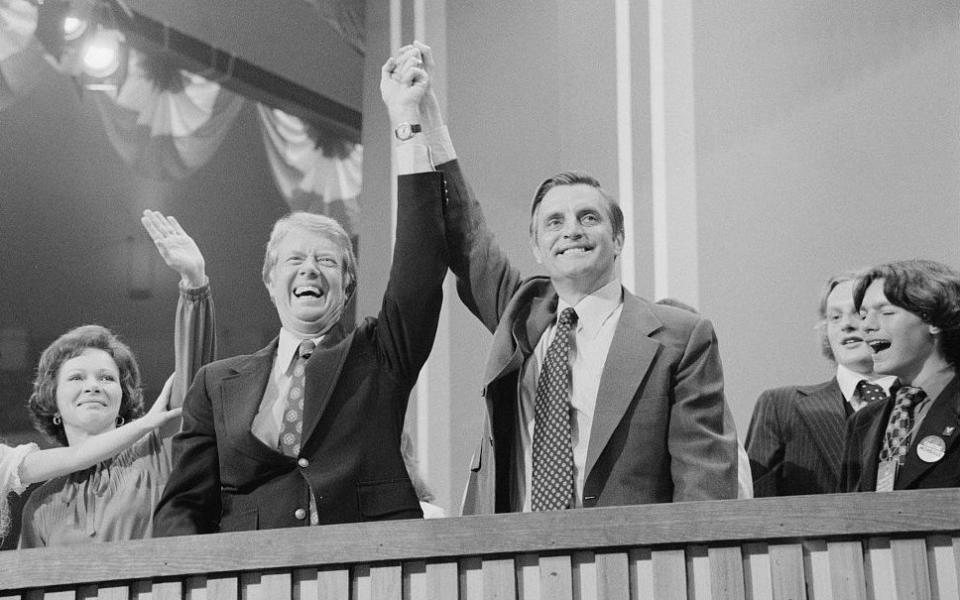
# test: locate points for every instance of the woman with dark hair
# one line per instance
(25, 464)
(88, 384)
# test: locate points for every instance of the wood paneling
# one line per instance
(906, 549)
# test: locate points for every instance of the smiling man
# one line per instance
(307, 430)
(593, 396)
(797, 433)
(911, 322)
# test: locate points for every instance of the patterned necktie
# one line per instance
(552, 448)
(293, 414)
(896, 440)
(870, 392)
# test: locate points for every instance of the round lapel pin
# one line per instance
(931, 448)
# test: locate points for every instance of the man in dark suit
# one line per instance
(796, 436)
(287, 437)
(912, 324)
(633, 408)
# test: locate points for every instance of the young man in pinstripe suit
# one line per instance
(797, 433)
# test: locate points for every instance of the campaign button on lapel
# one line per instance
(931, 448)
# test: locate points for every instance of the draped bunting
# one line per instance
(165, 122)
(21, 57)
(314, 170)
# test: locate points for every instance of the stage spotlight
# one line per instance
(74, 27)
(101, 53)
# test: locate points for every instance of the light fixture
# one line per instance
(83, 39)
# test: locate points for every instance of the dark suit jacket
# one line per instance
(865, 439)
(658, 431)
(357, 385)
(795, 441)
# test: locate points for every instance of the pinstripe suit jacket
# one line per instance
(796, 439)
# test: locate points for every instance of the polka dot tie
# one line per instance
(293, 415)
(870, 392)
(896, 440)
(552, 448)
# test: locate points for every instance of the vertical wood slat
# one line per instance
(414, 579)
(6, 596)
(613, 575)
(528, 576)
(223, 587)
(698, 573)
(847, 578)
(60, 595)
(360, 582)
(640, 565)
(816, 560)
(195, 587)
(471, 578)
(726, 573)
(443, 581)
(86, 591)
(332, 584)
(583, 575)
(499, 579)
(113, 592)
(878, 567)
(669, 575)
(556, 578)
(786, 571)
(912, 574)
(277, 585)
(756, 566)
(386, 582)
(943, 570)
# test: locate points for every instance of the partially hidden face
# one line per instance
(574, 238)
(900, 340)
(89, 392)
(844, 331)
(307, 284)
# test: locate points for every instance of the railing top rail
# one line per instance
(710, 523)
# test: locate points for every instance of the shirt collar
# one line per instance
(289, 344)
(848, 379)
(594, 309)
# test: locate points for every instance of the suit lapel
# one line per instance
(821, 409)
(240, 397)
(322, 373)
(631, 354)
(943, 414)
(517, 342)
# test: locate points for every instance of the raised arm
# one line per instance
(408, 318)
(45, 464)
(485, 279)
(194, 330)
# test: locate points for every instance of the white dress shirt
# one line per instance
(848, 380)
(597, 318)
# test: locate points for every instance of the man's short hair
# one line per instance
(321, 225)
(928, 289)
(822, 322)
(577, 178)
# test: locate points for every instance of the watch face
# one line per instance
(403, 131)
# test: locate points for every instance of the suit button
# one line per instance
(300, 514)
(304, 463)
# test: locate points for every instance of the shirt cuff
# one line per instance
(412, 157)
(19, 454)
(440, 145)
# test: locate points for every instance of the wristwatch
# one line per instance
(405, 131)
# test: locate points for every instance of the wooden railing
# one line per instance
(844, 547)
